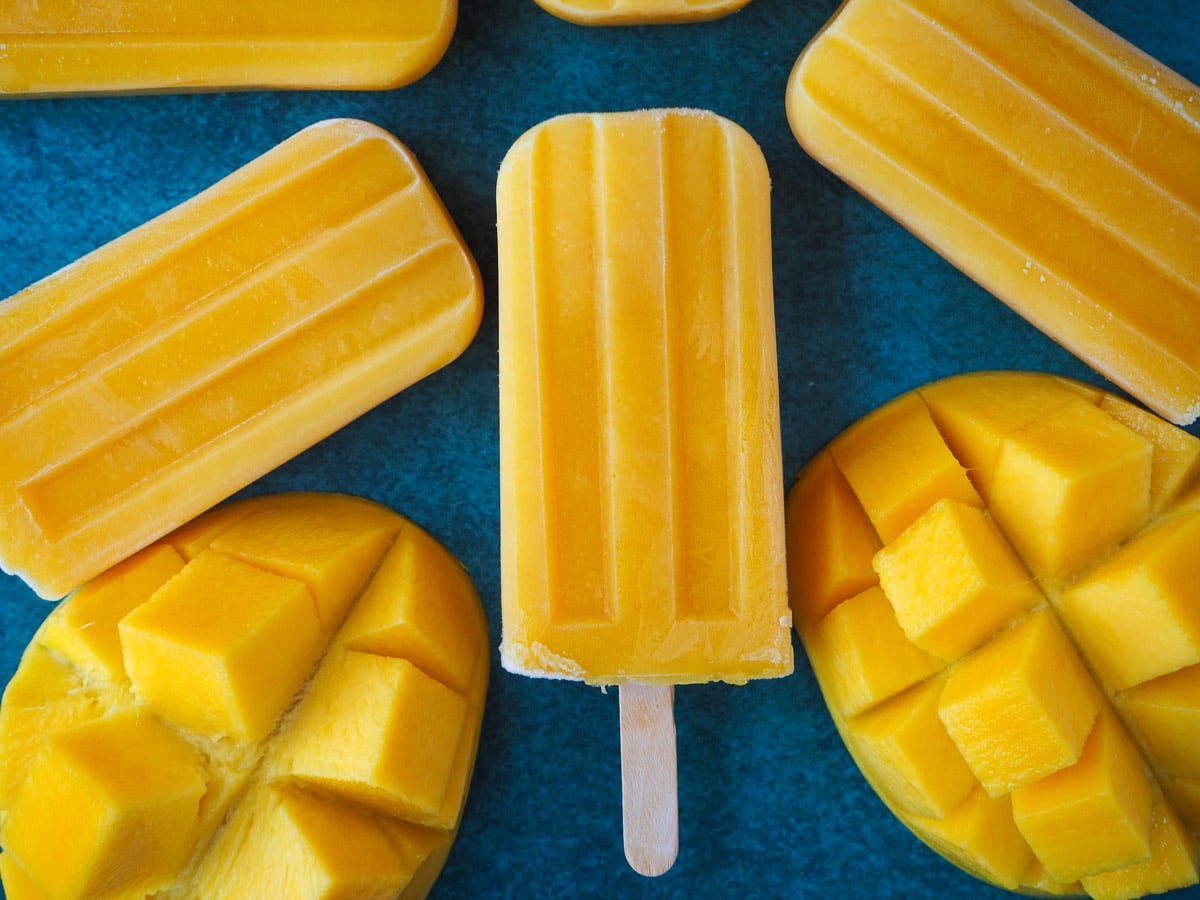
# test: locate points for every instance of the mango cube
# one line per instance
(898, 465)
(312, 846)
(84, 631)
(1065, 599)
(1064, 501)
(980, 835)
(974, 413)
(1172, 862)
(26, 719)
(330, 545)
(854, 634)
(953, 580)
(904, 747)
(1030, 678)
(1093, 816)
(223, 648)
(359, 740)
(1136, 616)
(167, 754)
(824, 515)
(1166, 713)
(97, 792)
(394, 618)
(1176, 458)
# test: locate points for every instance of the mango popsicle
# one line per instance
(1041, 154)
(164, 371)
(134, 46)
(639, 12)
(641, 498)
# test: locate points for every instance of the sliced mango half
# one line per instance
(281, 699)
(995, 580)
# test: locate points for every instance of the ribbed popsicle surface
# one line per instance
(62, 46)
(164, 371)
(1040, 153)
(640, 461)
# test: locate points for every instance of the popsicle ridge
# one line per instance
(1032, 128)
(109, 302)
(234, 396)
(56, 47)
(1167, 259)
(1050, 130)
(606, 212)
(313, 285)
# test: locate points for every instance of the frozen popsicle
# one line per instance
(135, 46)
(1037, 151)
(164, 371)
(639, 12)
(641, 498)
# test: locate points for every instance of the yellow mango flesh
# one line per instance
(1089, 816)
(283, 698)
(1048, 744)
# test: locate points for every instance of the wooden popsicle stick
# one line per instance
(649, 780)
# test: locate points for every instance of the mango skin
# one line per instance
(989, 749)
(281, 698)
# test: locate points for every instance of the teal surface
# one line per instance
(770, 804)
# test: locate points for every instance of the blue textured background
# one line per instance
(770, 804)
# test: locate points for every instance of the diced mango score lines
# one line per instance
(282, 698)
(994, 578)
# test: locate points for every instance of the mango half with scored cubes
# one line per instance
(996, 578)
(280, 699)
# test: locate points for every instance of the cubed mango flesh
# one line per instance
(852, 637)
(282, 699)
(1029, 678)
(1093, 815)
(1137, 615)
(897, 465)
(1166, 713)
(843, 540)
(904, 745)
(1052, 748)
(953, 579)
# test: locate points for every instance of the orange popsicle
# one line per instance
(128, 46)
(639, 12)
(1038, 152)
(641, 488)
(166, 370)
